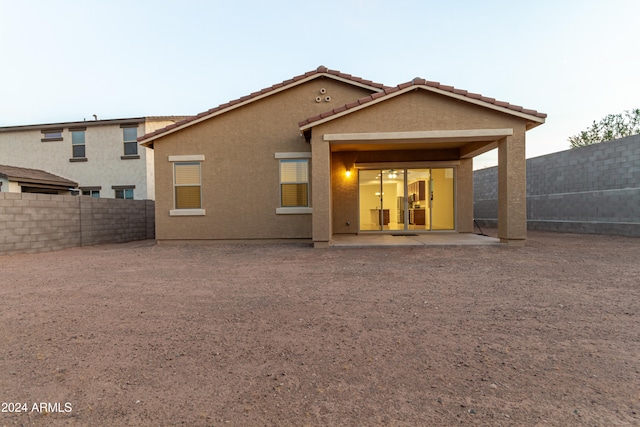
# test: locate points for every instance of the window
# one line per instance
(130, 135)
(124, 193)
(51, 135)
(77, 144)
(294, 183)
(92, 193)
(187, 185)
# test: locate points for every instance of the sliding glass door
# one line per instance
(406, 199)
(382, 205)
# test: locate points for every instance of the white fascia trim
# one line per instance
(258, 97)
(293, 211)
(187, 158)
(431, 89)
(187, 212)
(419, 135)
(294, 155)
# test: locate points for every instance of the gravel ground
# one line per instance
(286, 335)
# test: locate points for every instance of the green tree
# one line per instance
(611, 127)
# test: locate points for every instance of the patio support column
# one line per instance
(512, 190)
(464, 195)
(321, 192)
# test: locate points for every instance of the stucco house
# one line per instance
(101, 156)
(327, 153)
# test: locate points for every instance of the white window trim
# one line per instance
(293, 211)
(296, 210)
(294, 155)
(187, 212)
(187, 158)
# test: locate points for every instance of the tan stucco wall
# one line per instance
(512, 189)
(414, 111)
(240, 174)
(464, 196)
(420, 110)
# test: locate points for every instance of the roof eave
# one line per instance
(42, 181)
(533, 120)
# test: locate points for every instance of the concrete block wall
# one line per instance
(31, 223)
(37, 222)
(593, 189)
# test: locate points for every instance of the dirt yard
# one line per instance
(286, 335)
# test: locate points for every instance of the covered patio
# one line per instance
(411, 134)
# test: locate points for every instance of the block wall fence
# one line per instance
(32, 223)
(593, 189)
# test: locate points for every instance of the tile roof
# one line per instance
(321, 70)
(34, 175)
(420, 82)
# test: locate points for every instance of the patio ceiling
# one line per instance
(470, 142)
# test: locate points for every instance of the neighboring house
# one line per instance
(102, 156)
(25, 180)
(328, 153)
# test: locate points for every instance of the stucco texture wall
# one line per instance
(240, 174)
(414, 111)
(104, 149)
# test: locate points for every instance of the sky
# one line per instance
(63, 60)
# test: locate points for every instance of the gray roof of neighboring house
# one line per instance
(35, 176)
(48, 126)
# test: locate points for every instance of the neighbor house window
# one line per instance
(92, 193)
(124, 192)
(187, 185)
(51, 135)
(77, 144)
(294, 183)
(130, 135)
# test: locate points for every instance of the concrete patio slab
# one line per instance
(430, 239)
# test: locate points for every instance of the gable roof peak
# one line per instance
(321, 71)
(417, 82)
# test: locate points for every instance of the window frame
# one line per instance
(124, 189)
(125, 192)
(74, 144)
(294, 210)
(130, 142)
(193, 158)
(176, 185)
(52, 135)
(91, 193)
